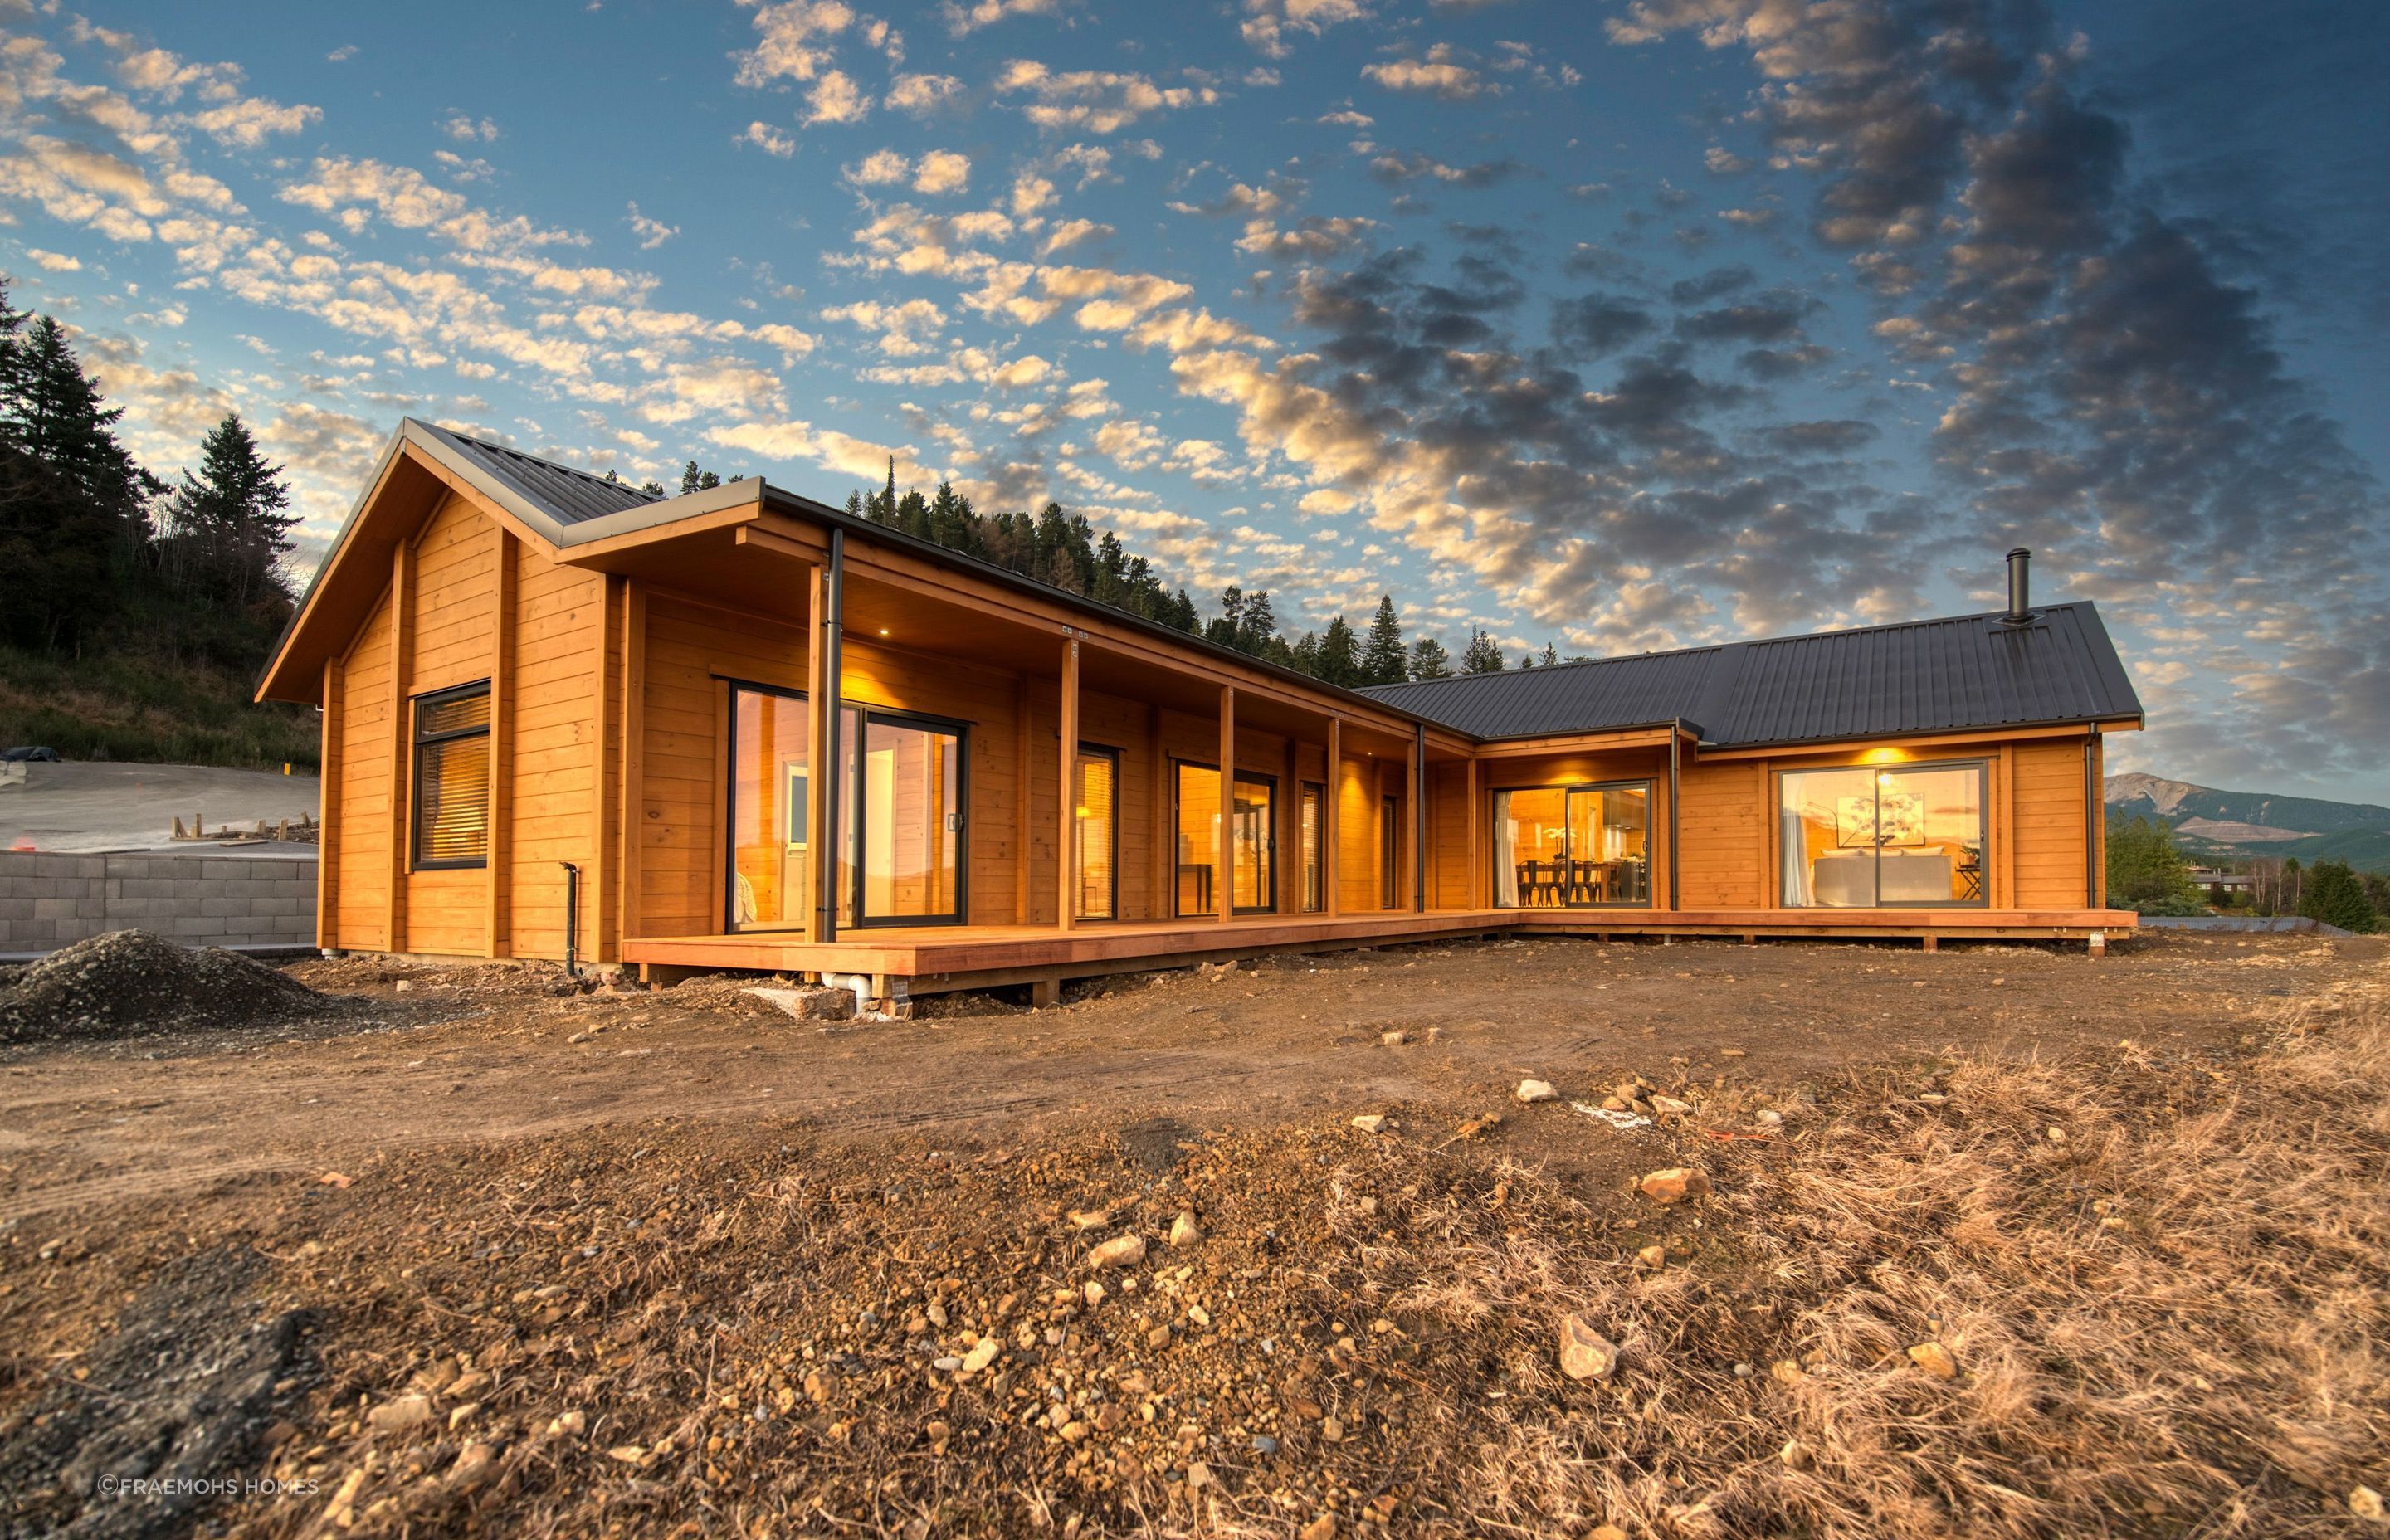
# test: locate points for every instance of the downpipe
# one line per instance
(572, 918)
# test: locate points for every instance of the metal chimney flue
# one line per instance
(2020, 586)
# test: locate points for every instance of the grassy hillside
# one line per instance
(150, 706)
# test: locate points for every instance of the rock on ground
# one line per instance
(1585, 1352)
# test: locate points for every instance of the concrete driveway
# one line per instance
(82, 808)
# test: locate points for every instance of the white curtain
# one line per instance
(1792, 848)
(1505, 854)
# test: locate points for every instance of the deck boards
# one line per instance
(959, 953)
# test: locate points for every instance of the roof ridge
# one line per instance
(1724, 647)
(545, 463)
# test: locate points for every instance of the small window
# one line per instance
(452, 777)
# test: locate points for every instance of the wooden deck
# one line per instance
(930, 958)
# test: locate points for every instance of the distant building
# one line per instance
(2218, 884)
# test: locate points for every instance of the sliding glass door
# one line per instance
(1866, 838)
(900, 797)
(1253, 818)
(901, 864)
(1573, 847)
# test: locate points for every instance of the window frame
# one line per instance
(1228, 801)
(1105, 751)
(730, 807)
(1493, 807)
(416, 860)
(1983, 769)
(852, 837)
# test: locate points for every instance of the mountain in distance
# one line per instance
(2211, 824)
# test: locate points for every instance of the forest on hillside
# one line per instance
(1066, 550)
(135, 610)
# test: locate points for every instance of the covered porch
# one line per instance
(993, 769)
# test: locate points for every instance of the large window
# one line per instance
(902, 794)
(1252, 817)
(1095, 830)
(1574, 847)
(902, 861)
(771, 871)
(1390, 853)
(1882, 836)
(452, 777)
(1314, 836)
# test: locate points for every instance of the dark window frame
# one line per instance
(1390, 849)
(851, 836)
(1493, 812)
(1228, 801)
(730, 806)
(417, 860)
(1101, 750)
(1983, 769)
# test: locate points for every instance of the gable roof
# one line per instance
(567, 495)
(1965, 673)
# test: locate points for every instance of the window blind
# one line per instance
(452, 777)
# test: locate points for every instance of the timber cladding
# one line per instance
(611, 700)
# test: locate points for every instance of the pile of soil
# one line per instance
(129, 983)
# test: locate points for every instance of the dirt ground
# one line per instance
(489, 1054)
(478, 1255)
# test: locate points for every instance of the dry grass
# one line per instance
(2163, 1282)
(2164, 1285)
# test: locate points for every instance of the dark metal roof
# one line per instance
(571, 496)
(1886, 681)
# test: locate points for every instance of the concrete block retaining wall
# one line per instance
(48, 901)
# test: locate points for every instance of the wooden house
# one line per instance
(566, 718)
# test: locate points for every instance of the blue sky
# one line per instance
(1614, 325)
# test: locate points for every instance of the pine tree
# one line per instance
(1257, 628)
(2146, 869)
(1429, 661)
(73, 531)
(1485, 656)
(1383, 660)
(229, 526)
(1340, 654)
(2335, 895)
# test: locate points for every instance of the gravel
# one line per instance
(129, 983)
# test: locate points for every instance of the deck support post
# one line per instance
(1066, 802)
(1932, 942)
(1419, 817)
(821, 775)
(1225, 877)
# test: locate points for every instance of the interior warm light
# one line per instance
(883, 631)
